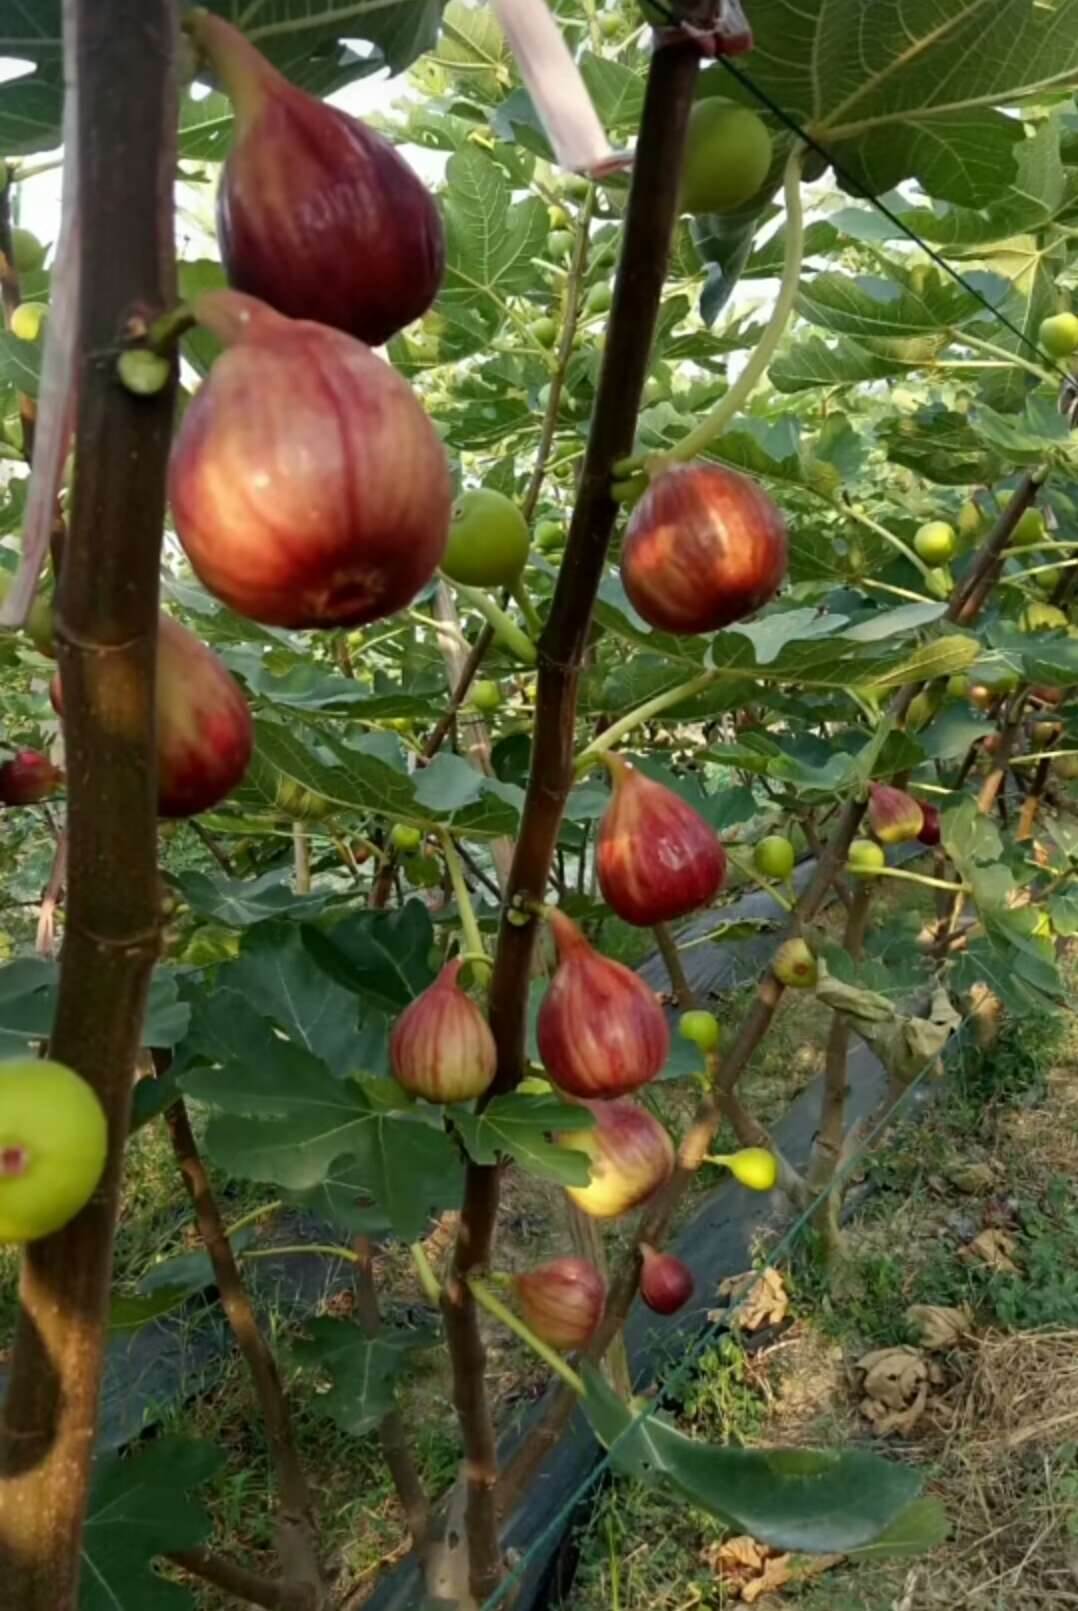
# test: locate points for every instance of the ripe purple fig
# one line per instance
(204, 731)
(657, 857)
(441, 1046)
(894, 815)
(704, 547)
(317, 214)
(601, 1029)
(27, 778)
(631, 1156)
(666, 1284)
(930, 826)
(562, 1301)
(795, 965)
(308, 487)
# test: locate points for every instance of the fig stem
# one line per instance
(505, 629)
(526, 607)
(715, 424)
(968, 340)
(911, 878)
(329, 1249)
(253, 1217)
(749, 871)
(469, 923)
(494, 1305)
(613, 735)
(427, 1278)
(163, 336)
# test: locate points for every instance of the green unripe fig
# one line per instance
(921, 710)
(774, 856)
(598, 299)
(53, 1142)
(939, 582)
(296, 801)
(488, 540)
(486, 695)
(702, 1028)
(1030, 527)
(935, 542)
(559, 243)
(958, 686)
(545, 332)
(1048, 580)
(727, 157)
(795, 965)
(1058, 336)
(970, 523)
(865, 856)
(575, 186)
(28, 319)
(559, 218)
(142, 371)
(405, 838)
(609, 24)
(549, 535)
(27, 252)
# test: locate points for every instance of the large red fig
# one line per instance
(317, 214)
(630, 1153)
(27, 778)
(601, 1029)
(666, 1284)
(308, 487)
(704, 547)
(562, 1301)
(441, 1046)
(657, 857)
(204, 731)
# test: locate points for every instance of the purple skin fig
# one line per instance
(894, 815)
(704, 547)
(441, 1046)
(601, 1029)
(657, 857)
(930, 827)
(562, 1301)
(666, 1284)
(27, 778)
(317, 214)
(205, 735)
(630, 1153)
(308, 487)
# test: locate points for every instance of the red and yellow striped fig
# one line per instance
(601, 1029)
(441, 1046)
(204, 731)
(657, 858)
(562, 1301)
(631, 1156)
(308, 487)
(704, 547)
(27, 778)
(317, 214)
(666, 1284)
(894, 815)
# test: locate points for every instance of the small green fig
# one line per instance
(794, 964)
(864, 856)
(774, 856)
(702, 1028)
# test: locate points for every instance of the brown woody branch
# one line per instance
(224, 1574)
(969, 597)
(297, 1541)
(637, 294)
(106, 641)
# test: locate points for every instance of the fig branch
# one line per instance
(106, 638)
(637, 293)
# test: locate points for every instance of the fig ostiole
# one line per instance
(27, 777)
(895, 816)
(794, 964)
(53, 1143)
(657, 858)
(317, 214)
(601, 1030)
(441, 1047)
(704, 547)
(666, 1283)
(205, 735)
(630, 1154)
(562, 1301)
(308, 487)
